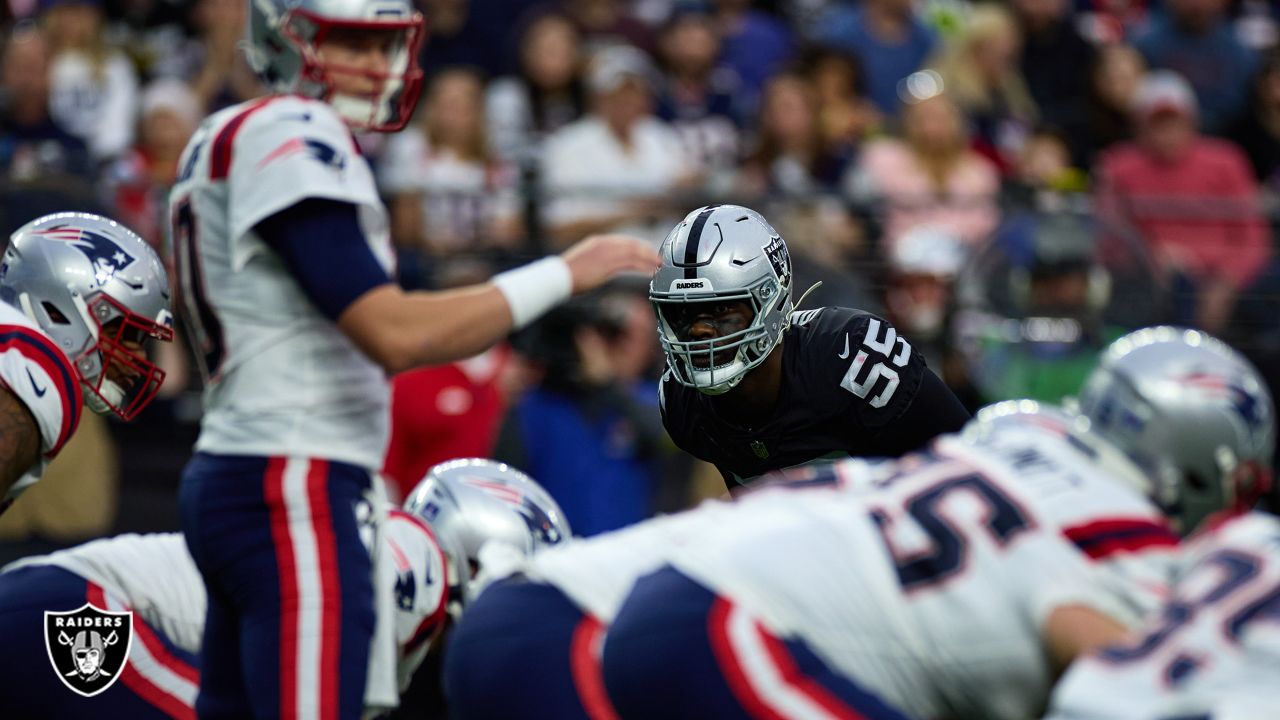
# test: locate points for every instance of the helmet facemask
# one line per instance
(115, 374)
(389, 103)
(716, 366)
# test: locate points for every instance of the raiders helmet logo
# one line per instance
(780, 259)
(88, 647)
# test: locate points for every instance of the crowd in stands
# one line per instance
(913, 152)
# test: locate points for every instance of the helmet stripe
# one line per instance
(693, 240)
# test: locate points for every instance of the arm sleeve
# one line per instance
(321, 243)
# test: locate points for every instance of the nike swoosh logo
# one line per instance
(35, 386)
(304, 117)
(845, 355)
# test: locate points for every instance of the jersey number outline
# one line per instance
(1005, 520)
(874, 373)
(1238, 570)
(204, 328)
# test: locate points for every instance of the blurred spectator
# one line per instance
(153, 34)
(887, 37)
(221, 75)
(93, 90)
(980, 72)
(1053, 54)
(1043, 173)
(605, 23)
(545, 95)
(791, 158)
(702, 99)
(845, 115)
(1031, 308)
(464, 32)
(138, 183)
(1194, 39)
(929, 177)
(1114, 79)
(1192, 198)
(32, 146)
(448, 193)
(617, 168)
(755, 44)
(1111, 21)
(441, 413)
(590, 430)
(1258, 130)
(917, 294)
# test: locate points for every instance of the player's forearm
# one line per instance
(19, 441)
(400, 330)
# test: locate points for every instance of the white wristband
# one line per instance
(533, 289)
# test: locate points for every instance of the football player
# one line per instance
(1212, 652)
(752, 385)
(82, 297)
(285, 265)
(471, 502)
(965, 622)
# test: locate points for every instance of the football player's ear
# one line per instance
(597, 259)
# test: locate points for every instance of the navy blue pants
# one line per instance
(524, 650)
(290, 585)
(678, 650)
(158, 680)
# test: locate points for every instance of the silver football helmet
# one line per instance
(284, 41)
(721, 253)
(472, 502)
(1012, 419)
(1186, 404)
(101, 293)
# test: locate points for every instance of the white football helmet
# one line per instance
(1185, 403)
(284, 37)
(721, 253)
(97, 289)
(472, 503)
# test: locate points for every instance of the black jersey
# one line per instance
(851, 386)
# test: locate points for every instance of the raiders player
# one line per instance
(468, 502)
(753, 386)
(81, 297)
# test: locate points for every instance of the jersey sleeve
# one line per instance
(280, 154)
(36, 371)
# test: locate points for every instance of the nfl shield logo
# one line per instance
(88, 647)
(759, 449)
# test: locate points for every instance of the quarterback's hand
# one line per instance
(593, 261)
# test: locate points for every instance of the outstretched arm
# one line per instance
(322, 244)
(19, 442)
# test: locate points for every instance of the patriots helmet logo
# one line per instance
(103, 253)
(1248, 405)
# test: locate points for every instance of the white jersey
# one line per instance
(1214, 650)
(280, 375)
(930, 586)
(35, 370)
(155, 576)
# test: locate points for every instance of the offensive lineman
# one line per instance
(81, 296)
(753, 385)
(1212, 651)
(285, 265)
(469, 501)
